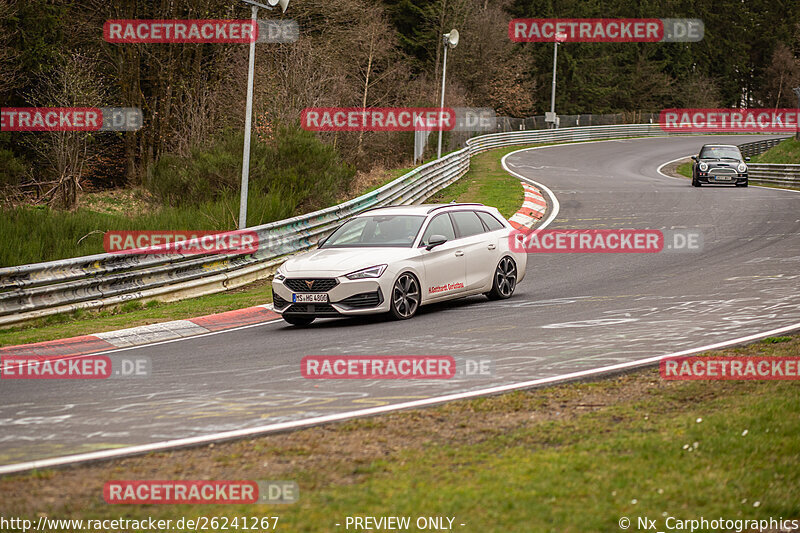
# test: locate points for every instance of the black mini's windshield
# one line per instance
(720, 152)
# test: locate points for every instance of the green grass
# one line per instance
(685, 169)
(785, 153)
(644, 447)
(486, 183)
(133, 314)
(37, 234)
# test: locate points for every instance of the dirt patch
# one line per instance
(672, 168)
(127, 202)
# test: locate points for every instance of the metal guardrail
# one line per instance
(759, 147)
(31, 291)
(772, 174)
(769, 173)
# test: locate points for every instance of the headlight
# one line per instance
(742, 167)
(371, 272)
(703, 167)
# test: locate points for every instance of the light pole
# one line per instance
(560, 37)
(797, 93)
(248, 119)
(449, 40)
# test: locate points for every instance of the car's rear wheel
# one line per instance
(505, 280)
(405, 296)
(299, 320)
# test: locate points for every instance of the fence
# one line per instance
(30, 291)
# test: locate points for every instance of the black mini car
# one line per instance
(719, 163)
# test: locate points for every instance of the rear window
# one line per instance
(467, 223)
(491, 222)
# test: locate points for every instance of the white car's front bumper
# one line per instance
(346, 297)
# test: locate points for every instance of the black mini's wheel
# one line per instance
(405, 297)
(505, 280)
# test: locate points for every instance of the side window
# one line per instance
(468, 223)
(440, 225)
(491, 222)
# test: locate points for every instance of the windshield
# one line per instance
(378, 230)
(720, 152)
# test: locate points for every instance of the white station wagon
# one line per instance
(395, 259)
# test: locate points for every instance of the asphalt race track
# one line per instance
(574, 312)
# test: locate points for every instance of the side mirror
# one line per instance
(694, 158)
(434, 241)
(747, 159)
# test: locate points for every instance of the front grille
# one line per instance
(722, 171)
(364, 300)
(278, 302)
(317, 284)
(312, 309)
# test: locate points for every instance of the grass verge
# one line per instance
(486, 183)
(785, 153)
(685, 170)
(574, 457)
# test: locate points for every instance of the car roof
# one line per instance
(720, 146)
(419, 209)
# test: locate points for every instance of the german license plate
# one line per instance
(310, 298)
(722, 178)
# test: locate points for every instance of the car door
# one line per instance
(446, 264)
(479, 246)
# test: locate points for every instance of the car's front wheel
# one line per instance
(299, 320)
(505, 280)
(405, 296)
(743, 184)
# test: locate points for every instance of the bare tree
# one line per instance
(8, 55)
(781, 75)
(65, 155)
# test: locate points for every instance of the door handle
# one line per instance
(492, 246)
(459, 253)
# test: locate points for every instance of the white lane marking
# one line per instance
(284, 426)
(684, 179)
